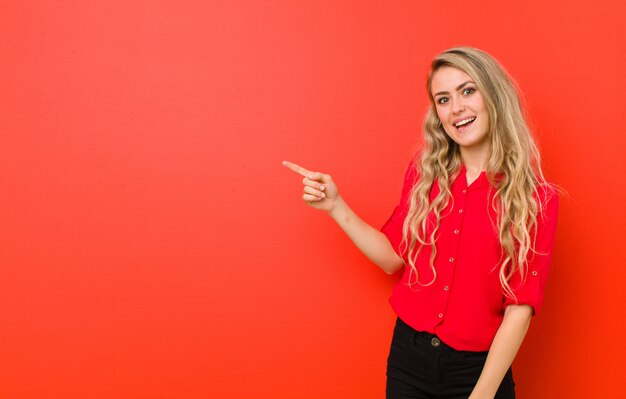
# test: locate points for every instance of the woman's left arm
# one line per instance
(517, 314)
(505, 345)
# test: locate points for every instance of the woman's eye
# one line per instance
(442, 100)
(469, 90)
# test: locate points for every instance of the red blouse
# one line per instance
(465, 305)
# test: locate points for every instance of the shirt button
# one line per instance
(440, 315)
(446, 288)
(534, 273)
(456, 231)
(435, 342)
(464, 191)
(451, 260)
(460, 210)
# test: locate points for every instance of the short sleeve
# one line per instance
(393, 226)
(531, 290)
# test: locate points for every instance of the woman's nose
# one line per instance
(457, 106)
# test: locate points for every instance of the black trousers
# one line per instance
(421, 366)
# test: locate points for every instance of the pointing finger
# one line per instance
(297, 168)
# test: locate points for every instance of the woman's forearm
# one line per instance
(505, 345)
(372, 242)
(321, 192)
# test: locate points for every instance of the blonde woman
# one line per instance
(473, 233)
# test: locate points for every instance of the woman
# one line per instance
(474, 229)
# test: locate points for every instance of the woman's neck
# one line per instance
(475, 160)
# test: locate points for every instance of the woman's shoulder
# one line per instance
(547, 196)
(411, 172)
(411, 175)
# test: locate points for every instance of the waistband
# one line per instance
(431, 339)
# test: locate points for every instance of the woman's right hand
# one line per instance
(320, 191)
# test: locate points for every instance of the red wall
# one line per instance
(152, 245)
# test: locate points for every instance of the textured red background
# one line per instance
(152, 245)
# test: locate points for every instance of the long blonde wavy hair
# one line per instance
(514, 168)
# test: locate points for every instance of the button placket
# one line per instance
(457, 231)
(457, 217)
(461, 200)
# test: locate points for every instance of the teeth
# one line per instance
(464, 121)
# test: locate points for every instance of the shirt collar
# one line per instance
(480, 181)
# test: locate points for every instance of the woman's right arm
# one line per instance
(372, 242)
(320, 192)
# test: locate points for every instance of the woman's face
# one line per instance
(460, 108)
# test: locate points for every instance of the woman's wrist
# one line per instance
(338, 208)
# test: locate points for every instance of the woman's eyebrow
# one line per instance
(459, 87)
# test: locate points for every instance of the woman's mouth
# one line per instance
(464, 124)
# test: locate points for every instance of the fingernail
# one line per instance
(321, 187)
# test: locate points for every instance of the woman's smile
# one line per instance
(463, 124)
